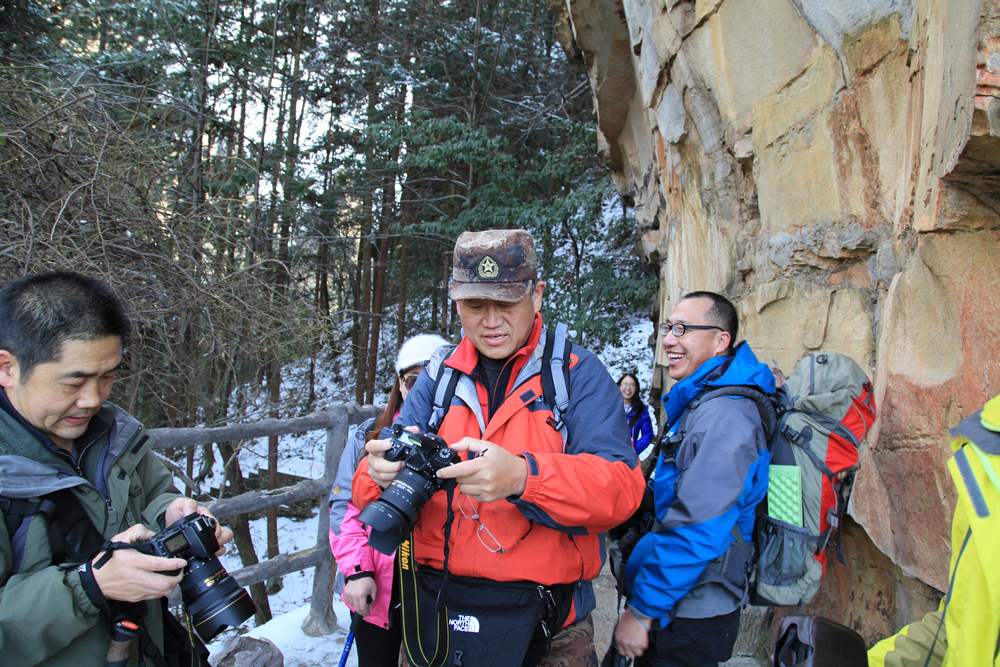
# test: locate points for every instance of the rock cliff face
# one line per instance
(835, 168)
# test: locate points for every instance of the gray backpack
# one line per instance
(815, 425)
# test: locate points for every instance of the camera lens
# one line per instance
(213, 598)
(391, 516)
(387, 524)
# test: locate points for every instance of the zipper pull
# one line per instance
(111, 506)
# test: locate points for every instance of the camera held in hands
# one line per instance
(210, 594)
(392, 515)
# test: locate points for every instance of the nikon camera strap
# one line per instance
(406, 570)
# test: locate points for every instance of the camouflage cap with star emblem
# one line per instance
(498, 264)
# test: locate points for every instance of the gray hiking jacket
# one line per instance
(46, 618)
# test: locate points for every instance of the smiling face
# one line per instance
(687, 353)
(627, 388)
(499, 329)
(61, 396)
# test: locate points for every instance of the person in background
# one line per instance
(367, 574)
(636, 413)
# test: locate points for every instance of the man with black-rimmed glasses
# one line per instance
(686, 580)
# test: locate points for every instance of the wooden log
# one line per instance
(321, 619)
(280, 565)
(254, 501)
(274, 567)
(167, 438)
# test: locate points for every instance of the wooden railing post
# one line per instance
(322, 620)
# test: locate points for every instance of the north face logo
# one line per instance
(463, 623)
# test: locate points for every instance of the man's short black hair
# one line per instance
(722, 313)
(38, 313)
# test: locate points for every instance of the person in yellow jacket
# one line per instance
(970, 636)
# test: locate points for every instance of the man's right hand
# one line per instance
(130, 576)
(379, 469)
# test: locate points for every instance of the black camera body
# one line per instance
(210, 594)
(192, 536)
(391, 516)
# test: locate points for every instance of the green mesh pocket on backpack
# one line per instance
(784, 494)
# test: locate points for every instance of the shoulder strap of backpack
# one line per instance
(72, 536)
(555, 380)
(555, 373)
(444, 390)
(766, 405)
(17, 512)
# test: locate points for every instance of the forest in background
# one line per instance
(271, 180)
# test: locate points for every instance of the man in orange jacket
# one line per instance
(538, 484)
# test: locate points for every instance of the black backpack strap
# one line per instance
(72, 535)
(555, 373)
(766, 405)
(17, 512)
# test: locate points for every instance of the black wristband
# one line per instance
(91, 588)
(359, 575)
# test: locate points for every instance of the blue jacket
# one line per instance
(708, 482)
(641, 427)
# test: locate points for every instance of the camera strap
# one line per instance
(476, 622)
(406, 569)
(109, 548)
(72, 536)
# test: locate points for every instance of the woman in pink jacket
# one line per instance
(367, 574)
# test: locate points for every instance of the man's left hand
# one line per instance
(631, 635)
(493, 474)
(181, 507)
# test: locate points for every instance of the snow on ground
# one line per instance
(303, 455)
(299, 650)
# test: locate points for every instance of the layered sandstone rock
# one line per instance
(835, 168)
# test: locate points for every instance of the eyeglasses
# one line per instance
(409, 380)
(678, 329)
(483, 534)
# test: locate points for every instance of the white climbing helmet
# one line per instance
(417, 351)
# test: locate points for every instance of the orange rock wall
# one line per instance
(835, 169)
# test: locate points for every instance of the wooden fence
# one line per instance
(334, 421)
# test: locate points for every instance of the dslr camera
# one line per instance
(391, 516)
(210, 594)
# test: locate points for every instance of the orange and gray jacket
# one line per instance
(554, 532)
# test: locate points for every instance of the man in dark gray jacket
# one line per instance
(686, 580)
(61, 345)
